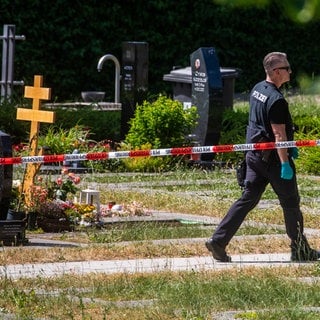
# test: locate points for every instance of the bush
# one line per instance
(308, 128)
(163, 123)
(65, 141)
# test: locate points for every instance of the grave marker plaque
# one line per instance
(13, 232)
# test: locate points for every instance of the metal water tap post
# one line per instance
(117, 74)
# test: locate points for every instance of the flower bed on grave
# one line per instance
(53, 202)
(124, 210)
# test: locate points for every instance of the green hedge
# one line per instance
(64, 42)
(306, 118)
(101, 124)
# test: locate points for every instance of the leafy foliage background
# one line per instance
(64, 42)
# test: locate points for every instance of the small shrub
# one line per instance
(163, 123)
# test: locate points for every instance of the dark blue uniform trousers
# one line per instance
(259, 174)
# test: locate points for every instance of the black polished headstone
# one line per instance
(6, 174)
(135, 64)
(207, 90)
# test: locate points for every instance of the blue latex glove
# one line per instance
(294, 153)
(286, 171)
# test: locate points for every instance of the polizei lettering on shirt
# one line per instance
(261, 97)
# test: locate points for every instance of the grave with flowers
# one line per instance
(53, 205)
(53, 202)
(47, 199)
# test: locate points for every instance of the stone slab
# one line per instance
(33, 270)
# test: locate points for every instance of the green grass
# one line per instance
(140, 231)
(184, 295)
(148, 231)
(269, 293)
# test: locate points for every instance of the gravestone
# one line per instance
(5, 175)
(135, 63)
(207, 93)
(208, 87)
(12, 232)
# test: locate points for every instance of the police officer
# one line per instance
(269, 120)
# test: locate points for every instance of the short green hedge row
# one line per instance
(306, 118)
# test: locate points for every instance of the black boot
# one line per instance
(218, 252)
(302, 252)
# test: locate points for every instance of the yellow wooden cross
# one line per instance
(35, 115)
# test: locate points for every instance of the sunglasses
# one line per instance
(283, 68)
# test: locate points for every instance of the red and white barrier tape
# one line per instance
(159, 152)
